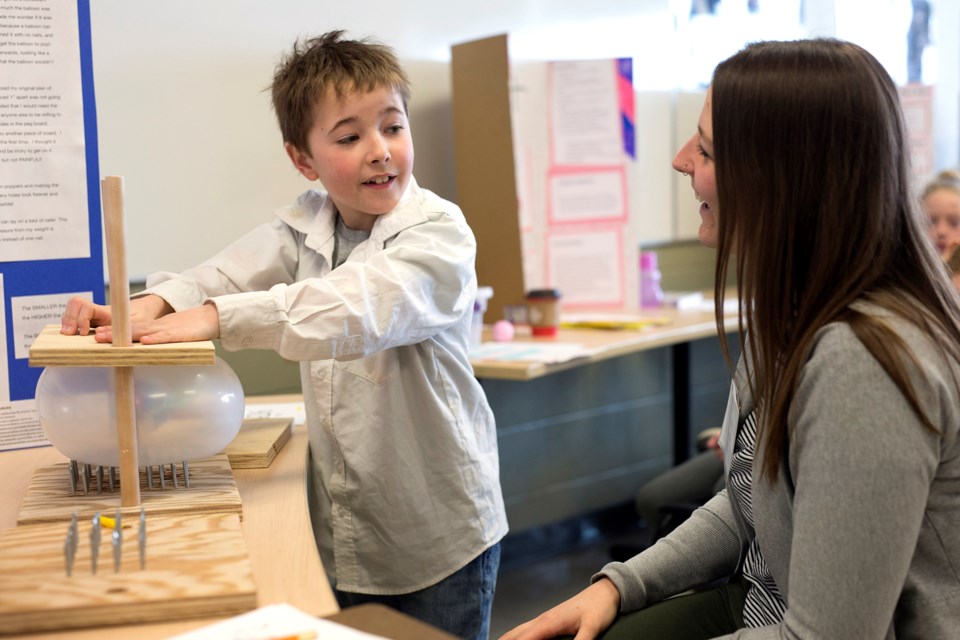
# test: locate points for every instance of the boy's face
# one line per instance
(361, 149)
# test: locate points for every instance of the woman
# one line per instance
(846, 521)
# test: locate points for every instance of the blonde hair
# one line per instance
(948, 179)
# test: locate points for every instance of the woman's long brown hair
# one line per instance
(815, 200)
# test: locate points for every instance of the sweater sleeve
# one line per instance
(704, 548)
(862, 465)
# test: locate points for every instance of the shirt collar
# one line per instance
(314, 215)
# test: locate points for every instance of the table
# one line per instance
(285, 561)
(681, 327)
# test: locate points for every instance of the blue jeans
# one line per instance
(459, 604)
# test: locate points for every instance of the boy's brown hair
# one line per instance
(317, 65)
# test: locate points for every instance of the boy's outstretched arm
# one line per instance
(81, 315)
(199, 323)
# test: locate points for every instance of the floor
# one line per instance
(541, 569)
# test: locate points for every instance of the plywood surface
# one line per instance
(257, 442)
(212, 489)
(53, 349)
(196, 566)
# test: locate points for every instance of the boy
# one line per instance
(370, 285)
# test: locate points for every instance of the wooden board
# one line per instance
(197, 566)
(212, 490)
(257, 442)
(53, 349)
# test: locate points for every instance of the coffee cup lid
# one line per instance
(543, 294)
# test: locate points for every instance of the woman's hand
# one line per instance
(584, 615)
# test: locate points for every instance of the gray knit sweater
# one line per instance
(861, 532)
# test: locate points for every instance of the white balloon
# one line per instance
(183, 412)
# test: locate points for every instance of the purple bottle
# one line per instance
(651, 294)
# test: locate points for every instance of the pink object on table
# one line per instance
(503, 330)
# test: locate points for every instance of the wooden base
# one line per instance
(212, 490)
(197, 566)
(53, 349)
(257, 442)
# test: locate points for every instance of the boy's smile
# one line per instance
(361, 150)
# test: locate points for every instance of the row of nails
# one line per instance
(84, 476)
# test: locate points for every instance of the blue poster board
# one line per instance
(41, 277)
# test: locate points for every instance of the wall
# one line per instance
(183, 116)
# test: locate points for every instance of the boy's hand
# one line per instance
(82, 315)
(199, 323)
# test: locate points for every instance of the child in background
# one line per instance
(370, 284)
(941, 202)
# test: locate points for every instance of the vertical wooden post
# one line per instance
(111, 189)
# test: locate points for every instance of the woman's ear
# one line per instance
(302, 161)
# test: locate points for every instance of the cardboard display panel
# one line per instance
(486, 184)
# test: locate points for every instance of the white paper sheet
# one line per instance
(20, 426)
(588, 196)
(587, 267)
(584, 111)
(294, 410)
(43, 194)
(275, 621)
(546, 352)
(32, 313)
(19, 422)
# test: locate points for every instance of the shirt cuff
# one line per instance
(250, 320)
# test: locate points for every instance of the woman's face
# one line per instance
(695, 159)
(943, 211)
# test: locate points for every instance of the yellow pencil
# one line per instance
(306, 635)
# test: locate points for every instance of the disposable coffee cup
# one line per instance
(543, 311)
